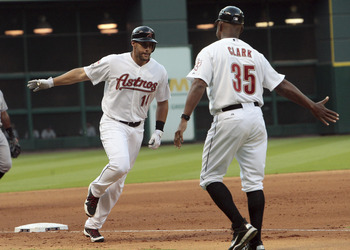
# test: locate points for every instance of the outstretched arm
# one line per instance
(194, 96)
(71, 77)
(290, 91)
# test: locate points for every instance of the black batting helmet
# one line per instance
(143, 34)
(231, 14)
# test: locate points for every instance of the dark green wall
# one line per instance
(333, 70)
(340, 19)
(342, 91)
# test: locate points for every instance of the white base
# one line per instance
(40, 227)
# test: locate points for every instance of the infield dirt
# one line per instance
(303, 211)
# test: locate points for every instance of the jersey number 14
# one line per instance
(245, 75)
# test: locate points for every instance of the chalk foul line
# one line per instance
(207, 230)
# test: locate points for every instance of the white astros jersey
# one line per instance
(129, 88)
(234, 72)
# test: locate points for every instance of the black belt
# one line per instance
(131, 124)
(237, 106)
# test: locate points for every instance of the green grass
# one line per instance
(77, 168)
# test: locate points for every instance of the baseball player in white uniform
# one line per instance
(5, 155)
(132, 81)
(234, 75)
(8, 148)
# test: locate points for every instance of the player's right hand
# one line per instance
(155, 140)
(40, 84)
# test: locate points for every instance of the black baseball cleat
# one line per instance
(90, 204)
(242, 235)
(94, 235)
(254, 246)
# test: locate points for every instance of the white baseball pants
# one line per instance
(239, 134)
(122, 144)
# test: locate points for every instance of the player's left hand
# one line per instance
(40, 84)
(323, 114)
(155, 140)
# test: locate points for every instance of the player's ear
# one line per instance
(133, 43)
(218, 29)
(220, 25)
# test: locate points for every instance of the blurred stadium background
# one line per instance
(308, 40)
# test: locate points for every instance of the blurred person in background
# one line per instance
(48, 133)
(90, 130)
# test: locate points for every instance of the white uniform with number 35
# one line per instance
(128, 93)
(235, 73)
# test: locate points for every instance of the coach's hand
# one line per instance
(178, 138)
(40, 84)
(324, 114)
(155, 140)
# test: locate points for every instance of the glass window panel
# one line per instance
(301, 76)
(258, 39)
(203, 117)
(14, 93)
(94, 119)
(90, 18)
(279, 10)
(199, 39)
(293, 43)
(12, 54)
(60, 17)
(291, 113)
(94, 47)
(268, 113)
(63, 96)
(10, 17)
(19, 124)
(93, 94)
(203, 13)
(64, 124)
(52, 53)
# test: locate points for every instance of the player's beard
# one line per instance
(141, 56)
(144, 57)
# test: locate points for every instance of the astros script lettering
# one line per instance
(135, 84)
